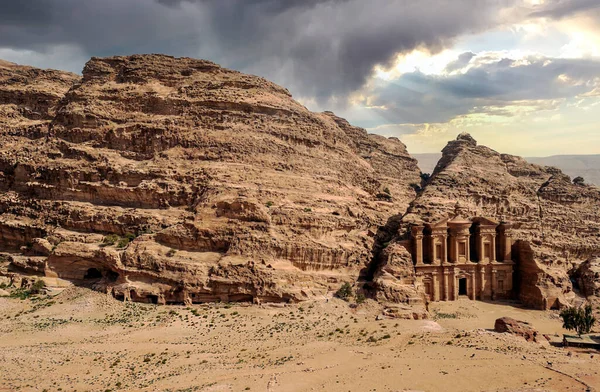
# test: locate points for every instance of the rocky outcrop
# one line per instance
(515, 327)
(556, 223)
(587, 277)
(394, 280)
(175, 180)
(168, 180)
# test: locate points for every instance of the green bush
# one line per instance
(360, 297)
(110, 240)
(269, 204)
(344, 292)
(123, 242)
(578, 319)
(37, 287)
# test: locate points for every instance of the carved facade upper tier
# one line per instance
(460, 256)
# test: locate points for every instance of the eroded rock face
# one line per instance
(556, 223)
(232, 190)
(515, 327)
(587, 276)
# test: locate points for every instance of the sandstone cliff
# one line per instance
(556, 223)
(227, 187)
(172, 180)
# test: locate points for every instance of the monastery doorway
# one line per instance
(462, 286)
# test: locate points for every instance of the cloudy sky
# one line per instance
(522, 76)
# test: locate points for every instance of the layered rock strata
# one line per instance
(227, 188)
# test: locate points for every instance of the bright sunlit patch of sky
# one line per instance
(531, 128)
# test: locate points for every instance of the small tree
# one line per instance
(344, 292)
(579, 181)
(578, 319)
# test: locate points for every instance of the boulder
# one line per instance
(516, 327)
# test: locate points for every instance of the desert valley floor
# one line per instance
(80, 340)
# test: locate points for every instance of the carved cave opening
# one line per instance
(93, 273)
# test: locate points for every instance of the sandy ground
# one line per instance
(84, 341)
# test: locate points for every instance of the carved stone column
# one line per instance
(482, 282)
(445, 249)
(473, 287)
(494, 283)
(493, 255)
(417, 232)
(455, 284)
(446, 291)
(436, 286)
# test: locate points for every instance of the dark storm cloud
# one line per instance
(461, 62)
(318, 48)
(486, 88)
(558, 9)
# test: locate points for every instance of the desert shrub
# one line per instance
(110, 239)
(578, 319)
(578, 180)
(123, 242)
(130, 236)
(360, 297)
(307, 209)
(269, 204)
(37, 287)
(344, 292)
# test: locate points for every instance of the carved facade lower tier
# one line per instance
(458, 257)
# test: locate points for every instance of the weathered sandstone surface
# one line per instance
(556, 223)
(229, 189)
(515, 327)
(168, 180)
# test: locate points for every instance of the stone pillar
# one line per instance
(417, 232)
(505, 242)
(473, 286)
(494, 284)
(452, 249)
(507, 246)
(436, 286)
(445, 249)
(482, 282)
(446, 297)
(432, 251)
(455, 283)
(481, 248)
(493, 255)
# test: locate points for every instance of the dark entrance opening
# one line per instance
(153, 299)
(462, 286)
(92, 273)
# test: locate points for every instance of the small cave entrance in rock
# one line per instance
(120, 297)
(462, 286)
(93, 273)
(153, 299)
(112, 276)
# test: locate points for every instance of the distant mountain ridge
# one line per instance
(586, 166)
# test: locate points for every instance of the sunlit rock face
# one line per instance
(227, 188)
(168, 180)
(555, 223)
